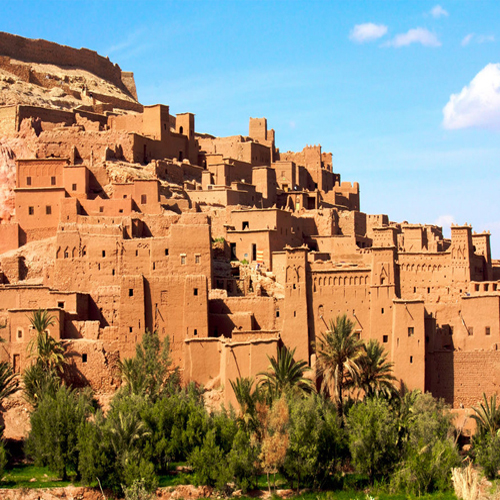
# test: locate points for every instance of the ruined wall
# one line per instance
(45, 52)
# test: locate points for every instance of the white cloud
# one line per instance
(415, 35)
(367, 32)
(478, 104)
(467, 39)
(438, 12)
(471, 37)
(445, 221)
(485, 38)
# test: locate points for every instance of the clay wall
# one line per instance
(9, 236)
(76, 181)
(38, 209)
(44, 52)
(352, 223)
(202, 360)
(40, 173)
(8, 120)
(264, 179)
(461, 377)
(343, 194)
(129, 82)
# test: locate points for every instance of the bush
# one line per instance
(372, 432)
(242, 460)
(488, 455)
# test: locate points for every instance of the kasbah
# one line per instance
(117, 217)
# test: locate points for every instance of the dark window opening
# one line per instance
(48, 210)
(60, 305)
(487, 330)
(382, 310)
(294, 314)
(428, 289)
(19, 334)
(385, 339)
(414, 289)
(73, 187)
(166, 251)
(195, 291)
(104, 253)
(245, 225)
(130, 329)
(84, 358)
(130, 292)
(254, 251)
(181, 156)
(195, 331)
(52, 181)
(28, 181)
(31, 210)
(144, 199)
(411, 359)
(181, 130)
(277, 313)
(471, 331)
(183, 259)
(101, 209)
(411, 331)
(294, 286)
(113, 272)
(233, 251)
(197, 259)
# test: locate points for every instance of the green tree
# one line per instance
(337, 350)
(150, 372)
(242, 460)
(487, 452)
(285, 375)
(55, 424)
(247, 398)
(374, 374)
(372, 437)
(430, 451)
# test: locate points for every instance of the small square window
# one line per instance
(48, 210)
(130, 292)
(84, 358)
(385, 339)
(195, 291)
(28, 181)
(101, 209)
(52, 181)
(411, 331)
(60, 305)
(183, 259)
(487, 330)
(31, 210)
(73, 187)
(120, 211)
(245, 225)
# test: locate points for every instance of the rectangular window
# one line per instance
(28, 181)
(487, 330)
(104, 253)
(130, 329)
(382, 310)
(183, 259)
(254, 251)
(197, 259)
(277, 313)
(19, 334)
(195, 291)
(166, 251)
(411, 359)
(101, 209)
(245, 225)
(60, 305)
(73, 187)
(144, 199)
(31, 210)
(130, 292)
(48, 210)
(84, 358)
(52, 181)
(385, 339)
(411, 331)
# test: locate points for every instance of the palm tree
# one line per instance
(374, 374)
(46, 350)
(487, 416)
(247, 398)
(9, 382)
(285, 374)
(337, 352)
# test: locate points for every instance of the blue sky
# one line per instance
(405, 94)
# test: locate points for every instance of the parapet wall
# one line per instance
(44, 52)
